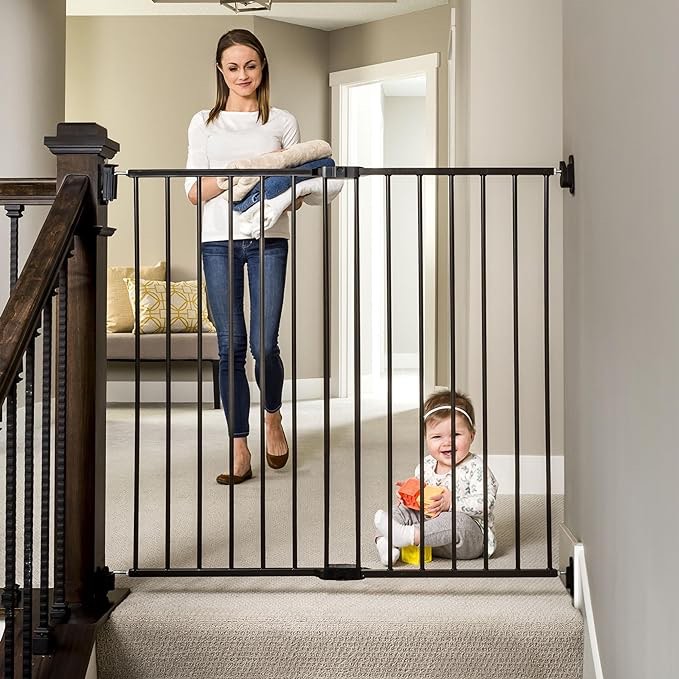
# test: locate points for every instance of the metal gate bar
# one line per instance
(356, 569)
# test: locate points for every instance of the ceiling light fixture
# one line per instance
(246, 5)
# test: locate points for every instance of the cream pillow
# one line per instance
(119, 314)
(183, 306)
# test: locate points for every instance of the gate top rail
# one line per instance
(22, 312)
(27, 191)
(343, 171)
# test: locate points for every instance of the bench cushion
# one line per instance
(183, 346)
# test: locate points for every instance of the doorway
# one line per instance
(385, 115)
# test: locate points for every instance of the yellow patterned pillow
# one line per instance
(183, 306)
(119, 317)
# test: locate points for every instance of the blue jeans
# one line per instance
(274, 186)
(216, 267)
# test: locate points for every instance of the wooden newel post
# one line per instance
(83, 148)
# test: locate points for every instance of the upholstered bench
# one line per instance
(183, 348)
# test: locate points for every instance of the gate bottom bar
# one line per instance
(356, 573)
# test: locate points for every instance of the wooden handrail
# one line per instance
(21, 315)
(27, 191)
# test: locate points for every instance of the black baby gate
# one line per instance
(53, 352)
(351, 175)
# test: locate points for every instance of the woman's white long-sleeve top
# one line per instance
(230, 136)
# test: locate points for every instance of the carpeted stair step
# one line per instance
(372, 629)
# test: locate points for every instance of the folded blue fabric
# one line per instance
(274, 186)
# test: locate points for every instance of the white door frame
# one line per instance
(340, 83)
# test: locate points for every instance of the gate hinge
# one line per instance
(566, 577)
(340, 571)
(567, 171)
(108, 182)
(103, 581)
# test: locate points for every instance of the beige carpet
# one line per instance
(304, 627)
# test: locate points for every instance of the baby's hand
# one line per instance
(398, 484)
(438, 503)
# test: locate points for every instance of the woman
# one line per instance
(242, 124)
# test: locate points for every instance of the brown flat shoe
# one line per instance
(227, 479)
(277, 461)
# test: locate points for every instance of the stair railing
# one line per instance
(68, 260)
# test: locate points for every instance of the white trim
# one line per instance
(571, 548)
(385, 70)
(532, 473)
(404, 361)
(92, 669)
(582, 600)
(340, 82)
(452, 45)
(153, 391)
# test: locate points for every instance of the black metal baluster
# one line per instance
(14, 212)
(484, 370)
(390, 375)
(231, 385)
(137, 379)
(548, 429)
(29, 422)
(199, 399)
(293, 280)
(453, 366)
(168, 378)
(420, 339)
(326, 379)
(10, 595)
(60, 610)
(262, 380)
(357, 369)
(517, 412)
(42, 637)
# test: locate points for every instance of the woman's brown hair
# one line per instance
(239, 36)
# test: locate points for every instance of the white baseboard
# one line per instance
(531, 474)
(153, 391)
(582, 600)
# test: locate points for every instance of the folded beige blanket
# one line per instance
(293, 156)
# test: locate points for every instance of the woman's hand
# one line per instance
(209, 190)
(298, 204)
(438, 503)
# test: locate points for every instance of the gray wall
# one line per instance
(621, 107)
(32, 49)
(508, 114)
(163, 66)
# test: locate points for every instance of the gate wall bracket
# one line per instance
(567, 171)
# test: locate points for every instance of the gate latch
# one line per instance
(340, 571)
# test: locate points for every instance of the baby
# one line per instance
(438, 534)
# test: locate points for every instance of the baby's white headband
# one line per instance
(459, 410)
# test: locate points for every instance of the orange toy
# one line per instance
(409, 492)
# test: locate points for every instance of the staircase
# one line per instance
(289, 627)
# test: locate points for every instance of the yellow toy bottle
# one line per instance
(411, 554)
